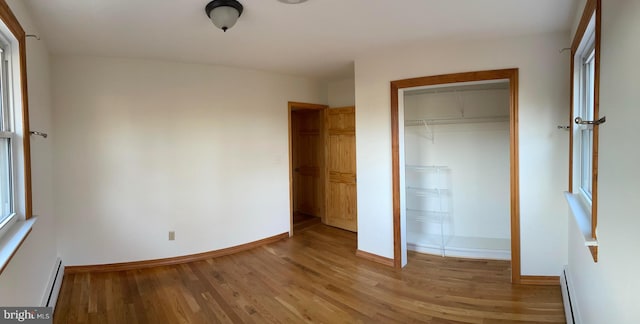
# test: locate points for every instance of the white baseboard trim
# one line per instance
(458, 252)
(568, 298)
(53, 286)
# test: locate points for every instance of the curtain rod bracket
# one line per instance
(44, 135)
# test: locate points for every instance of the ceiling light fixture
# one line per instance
(223, 13)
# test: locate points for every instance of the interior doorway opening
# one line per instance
(307, 164)
(322, 166)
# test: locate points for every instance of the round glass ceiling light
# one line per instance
(224, 13)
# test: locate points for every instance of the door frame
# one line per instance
(508, 74)
(293, 106)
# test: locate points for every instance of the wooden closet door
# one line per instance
(341, 209)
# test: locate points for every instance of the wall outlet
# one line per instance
(172, 235)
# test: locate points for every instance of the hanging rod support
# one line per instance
(44, 135)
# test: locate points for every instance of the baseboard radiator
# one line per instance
(568, 298)
(53, 287)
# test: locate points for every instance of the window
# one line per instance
(584, 110)
(7, 139)
(15, 171)
(583, 169)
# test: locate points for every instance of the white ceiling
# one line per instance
(318, 38)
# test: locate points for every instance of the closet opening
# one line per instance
(455, 184)
(307, 163)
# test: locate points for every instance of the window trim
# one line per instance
(10, 20)
(22, 222)
(592, 9)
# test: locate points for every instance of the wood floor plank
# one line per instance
(314, 277)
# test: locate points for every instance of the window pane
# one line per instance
(590, 86)
(587, 158)
(6, 201)
(4, 115)
(3, 78)
(586, 134)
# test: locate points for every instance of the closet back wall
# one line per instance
(144, 147)
(476, 154)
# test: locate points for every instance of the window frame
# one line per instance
(15, 231)
(587, 39)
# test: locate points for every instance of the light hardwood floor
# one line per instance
(312, 277)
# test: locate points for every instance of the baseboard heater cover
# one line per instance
(568, 298)
(53, 287)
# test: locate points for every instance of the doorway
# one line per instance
(307, 164)
(399, 183)
(322, 166)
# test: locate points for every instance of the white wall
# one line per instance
(606, 291)
(341, 93)
(144, 147)
(543, 105)
(23, 282)
(477, 157)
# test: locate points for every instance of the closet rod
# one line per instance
(431, 91)
(447, 121)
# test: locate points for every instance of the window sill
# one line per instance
(583, 220)
(11, 241)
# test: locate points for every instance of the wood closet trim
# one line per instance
(10, 20)
(512, 76)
